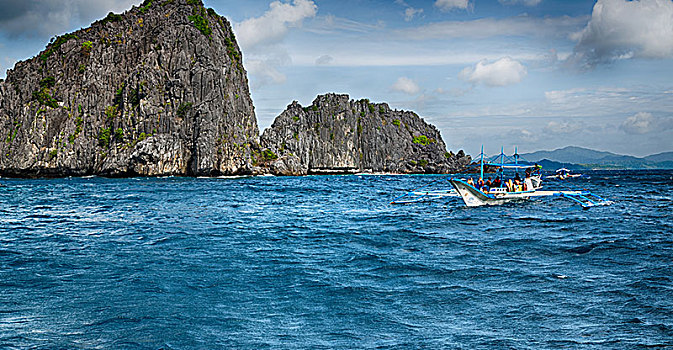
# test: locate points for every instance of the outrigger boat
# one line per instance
(476, 195)
(563, 174)
(496, 196)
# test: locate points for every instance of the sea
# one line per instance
(326, 262)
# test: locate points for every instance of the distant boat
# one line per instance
(563, 174)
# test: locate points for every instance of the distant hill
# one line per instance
(552, 165)
(583, 158)
(570, 154)
(660, 157)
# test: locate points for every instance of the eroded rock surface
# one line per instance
(339, 135)
(157, 90)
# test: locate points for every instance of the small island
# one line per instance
(338, 135)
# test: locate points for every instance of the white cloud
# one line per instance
(411, 12)
(644, 123)
(324, 60)
(447, 5)
(562, 96)
(641, 123)
(492, 27)
(265, 69)
(607, 104)
(397, 55)
(522, 136)
(621, 29)
(330, 24)
(44, 18)
(264, 72)
(275, 23)
(505, 71)
(563, 127)
(406, 86)
(422, 101)
(7, 63)
(261, 38)
(523, 2)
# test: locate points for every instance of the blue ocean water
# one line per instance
(325, 262)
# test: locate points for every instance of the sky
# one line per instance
(532, 74)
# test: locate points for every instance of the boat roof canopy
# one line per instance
(511, 166)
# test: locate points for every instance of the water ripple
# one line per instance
(325, 262)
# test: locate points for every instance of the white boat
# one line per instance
(500, 191)
(563, 174)
(474, 197)
(529, 187)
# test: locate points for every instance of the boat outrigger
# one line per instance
(500, 191)
(423, 194)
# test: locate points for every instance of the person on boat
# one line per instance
(496, 182)
(470, 182)
(480, 182)
(489, 182)
(485, 188)
(528, 172)
(510, 185)
(517, 177)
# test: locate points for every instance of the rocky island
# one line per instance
(161, 90)
(338, 135)
(158, 90)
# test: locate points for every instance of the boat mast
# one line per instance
(482, 161)
(516, 159)
(502, 164)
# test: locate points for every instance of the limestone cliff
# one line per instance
(157, 90)
(339, 135)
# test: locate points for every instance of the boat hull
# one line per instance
(564, 177)
(475, 198)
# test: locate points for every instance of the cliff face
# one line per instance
(158, 90)
(338, 135)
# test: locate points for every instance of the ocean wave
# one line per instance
(326, 262)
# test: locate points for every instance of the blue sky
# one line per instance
(537, 74)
